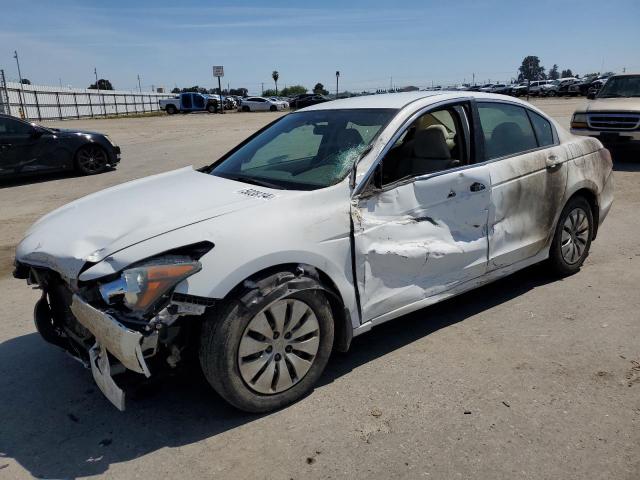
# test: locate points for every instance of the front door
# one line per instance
(424, 231)
(19, 147)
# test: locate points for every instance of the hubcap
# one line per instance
(279, 346)
(575, 234)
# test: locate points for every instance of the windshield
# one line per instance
(621, 87)
(305, 150)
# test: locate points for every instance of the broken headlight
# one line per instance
(139, 287)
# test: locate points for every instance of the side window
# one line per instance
(432, 143)
(9, 126)
(543, 129)
(506, 128)
(198, 101)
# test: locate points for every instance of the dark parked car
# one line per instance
(29, 148)
(308, 99)
(581, 87)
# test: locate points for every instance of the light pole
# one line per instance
(22, 109)
(337, 77)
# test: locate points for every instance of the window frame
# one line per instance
(556, 140)
(475, 137)
(364, 188)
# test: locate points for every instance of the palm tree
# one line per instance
(275, 75)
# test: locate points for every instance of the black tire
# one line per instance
(91, 159)
(273, 108)
(223, 332)
(558, 262)
(211, 108)
(171, 109)
(245, 108)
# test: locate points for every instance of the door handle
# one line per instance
(451, 194)
(477, 187)
(552, 163)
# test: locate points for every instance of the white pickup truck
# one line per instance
(190, 102)
(613, 114)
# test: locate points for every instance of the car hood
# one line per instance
(98, 225)
(70, 131)
(625, 104)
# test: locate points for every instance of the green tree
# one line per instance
(319, 89)
(175, 90)
(275, 75)
(531, 69)
(293, 90)
(270, 92)
(553, 73)
(102, 85)
(566, 73)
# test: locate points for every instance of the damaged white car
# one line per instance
(323, 224)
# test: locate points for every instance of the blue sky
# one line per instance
(415, 42)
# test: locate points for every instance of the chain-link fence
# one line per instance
(38, 102)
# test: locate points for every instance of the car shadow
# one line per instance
(56, 423)
(29, 179)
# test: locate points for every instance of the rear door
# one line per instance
(424, 230)
(528, 176)
(186, 102)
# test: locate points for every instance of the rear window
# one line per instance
(506, 128)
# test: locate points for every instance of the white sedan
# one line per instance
(327, 222)
(261, 104)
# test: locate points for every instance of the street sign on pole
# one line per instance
(218, 71)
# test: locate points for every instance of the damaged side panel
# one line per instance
(420, 239)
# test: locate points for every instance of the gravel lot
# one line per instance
(530, 377)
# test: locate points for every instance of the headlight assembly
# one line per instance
(138, 288)
(579, 120)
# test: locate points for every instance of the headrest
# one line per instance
(430, 143)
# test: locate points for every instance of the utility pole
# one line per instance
(337, 77)
(262, 88)
(474, 78)
(22, 109)
(139, 86)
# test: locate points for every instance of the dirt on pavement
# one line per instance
(531, 377)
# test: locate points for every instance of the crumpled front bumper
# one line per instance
(111, 336)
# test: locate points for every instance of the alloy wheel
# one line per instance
(279, 346)
(575, 234)
(92, 159)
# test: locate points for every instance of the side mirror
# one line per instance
(37, 132)
(591, 95)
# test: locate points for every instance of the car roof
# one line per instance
(400, 100)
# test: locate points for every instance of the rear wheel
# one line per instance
(171, 109)
(273, 108)
(91, 159)
(572, 239)
(262, 354)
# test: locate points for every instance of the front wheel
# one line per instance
(91, 159)
(211, 108)
(572, 239)
(264, 355)
(246, 109)
(273, 108)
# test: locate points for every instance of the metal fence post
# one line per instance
(126, 103)
(90, 105)
(142, 101)
(104, 106)
(115, 102)
(35, 94)
(75, 102)
(58, 102)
